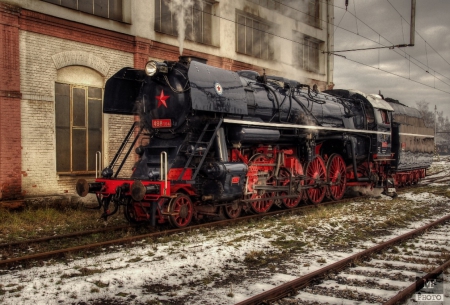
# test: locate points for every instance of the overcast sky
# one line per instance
(379, 21)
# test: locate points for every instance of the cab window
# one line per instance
(382, 116)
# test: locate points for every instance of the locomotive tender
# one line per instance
(212, 142)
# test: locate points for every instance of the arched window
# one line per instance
(78, 119)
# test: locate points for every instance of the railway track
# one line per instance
(384, 274)
(198, 265)
(23, 252)
(436, 177)
(21, 247)
(24, 258)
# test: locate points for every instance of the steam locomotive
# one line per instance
(216, 142)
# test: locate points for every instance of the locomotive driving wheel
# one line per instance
(261, 203)
(285, 177)
(261, 168)
(336, 172)
(316, 178)
(181, 211)
(233, 210)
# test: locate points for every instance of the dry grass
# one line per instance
(33, 223)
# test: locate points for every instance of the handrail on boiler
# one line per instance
(163, 170)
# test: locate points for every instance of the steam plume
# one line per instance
(181, 9)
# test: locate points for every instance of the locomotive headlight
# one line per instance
(151, 68)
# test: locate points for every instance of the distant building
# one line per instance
(55, 56)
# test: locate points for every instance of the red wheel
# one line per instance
(260, 166)
(336, 172)
(289, 202)
(316, 176)
(181, 211)
(233, 210)
(262, 205)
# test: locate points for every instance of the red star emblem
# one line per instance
(218, 88)
(162, 99)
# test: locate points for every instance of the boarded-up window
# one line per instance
(78, 120)
(198, 18)
(253, 37)
(111, 9)
(307, 52)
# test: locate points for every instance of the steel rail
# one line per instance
(111, 229)
(68, 235)
(408, 291)
(291, 287)
(56, 253)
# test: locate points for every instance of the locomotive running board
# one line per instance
(295, 126)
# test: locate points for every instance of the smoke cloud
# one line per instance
(181, 9)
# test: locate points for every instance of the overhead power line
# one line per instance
(425, 70)
(419, 34)
(398, 75)
(357, 62)
(379, 43)
(358, 34)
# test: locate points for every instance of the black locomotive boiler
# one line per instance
(211, 141)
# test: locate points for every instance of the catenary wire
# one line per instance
(418, 33)
(425, 70)
(357, 33)
(355, 61)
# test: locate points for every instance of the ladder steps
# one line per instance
(204, 152)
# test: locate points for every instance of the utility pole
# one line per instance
(435, 121)
(413, 23)
(435, 124)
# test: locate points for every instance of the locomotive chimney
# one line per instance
(186, 60)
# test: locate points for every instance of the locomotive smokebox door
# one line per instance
(216, 90)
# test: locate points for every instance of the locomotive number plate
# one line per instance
(391, 189)
(162, 123)
(235, 180)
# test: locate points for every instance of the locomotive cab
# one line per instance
(375, 118)
(382, 125)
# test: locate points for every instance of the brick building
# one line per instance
(55, 56)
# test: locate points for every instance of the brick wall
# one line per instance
(10, 143)
(38, 76)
